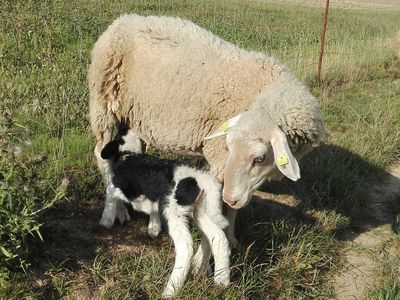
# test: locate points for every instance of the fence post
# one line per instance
(323, 39)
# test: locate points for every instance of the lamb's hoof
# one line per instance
(122, 213)
(168, 293)
(200, 268)
(222, 279)
(154, 230)
(106, 222)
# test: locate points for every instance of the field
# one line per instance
(333, 234)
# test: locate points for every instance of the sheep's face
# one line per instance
(248, 165)
(254, 157)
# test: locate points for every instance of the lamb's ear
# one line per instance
(223, 128)
(284, 158)
(110, 150)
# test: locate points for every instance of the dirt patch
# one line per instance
(361, 270)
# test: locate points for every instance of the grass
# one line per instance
(289, 243)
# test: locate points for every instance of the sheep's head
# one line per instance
(257, 151)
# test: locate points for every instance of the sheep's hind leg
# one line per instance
(102, 139)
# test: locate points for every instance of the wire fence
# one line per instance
(290, 33)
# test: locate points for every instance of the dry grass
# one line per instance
(290, 235)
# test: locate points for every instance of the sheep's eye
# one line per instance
(259, 159)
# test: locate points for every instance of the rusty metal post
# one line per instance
(325, 21)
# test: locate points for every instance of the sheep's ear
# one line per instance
(223, 128)
(284, 158)
(110, 150)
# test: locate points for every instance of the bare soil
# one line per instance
(361, 272)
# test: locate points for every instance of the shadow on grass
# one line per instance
(283, 241)
(335, 179)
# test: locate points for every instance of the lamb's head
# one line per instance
(257, 151)
(125, 142)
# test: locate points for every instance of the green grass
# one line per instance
(287, 252)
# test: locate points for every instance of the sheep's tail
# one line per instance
(105, 79)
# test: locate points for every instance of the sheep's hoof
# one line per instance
(233, 242)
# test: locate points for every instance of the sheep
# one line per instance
(179, 87)
(177, 193)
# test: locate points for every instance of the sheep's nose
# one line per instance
(228, 199)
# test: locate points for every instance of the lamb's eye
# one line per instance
(259, 159)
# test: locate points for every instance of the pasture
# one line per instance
(299, 240)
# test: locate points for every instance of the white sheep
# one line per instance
(174, 83)
(178, 192)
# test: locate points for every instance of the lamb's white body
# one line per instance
(205, 211)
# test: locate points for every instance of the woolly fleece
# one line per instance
(174, 82)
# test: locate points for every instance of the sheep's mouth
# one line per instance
(258, 184)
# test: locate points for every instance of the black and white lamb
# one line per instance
(175, 192)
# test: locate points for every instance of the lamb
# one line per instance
(174, 84)
(177, 193)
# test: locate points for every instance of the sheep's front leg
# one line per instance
(201, 264)
(230, 230)
(108, 217)
(219, 247)
(180, 234)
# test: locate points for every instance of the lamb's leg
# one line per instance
(154, 227)
(230, 230)
(134, 145)
(151, 208)
(120, 211)
(201, 258)
(219, 247)
(180, 234)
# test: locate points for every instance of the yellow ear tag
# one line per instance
(282, 160)
(224, 127)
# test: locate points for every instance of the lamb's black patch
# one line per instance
(141, 174)
(122, 130)
(111, 150)
(187, 191)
